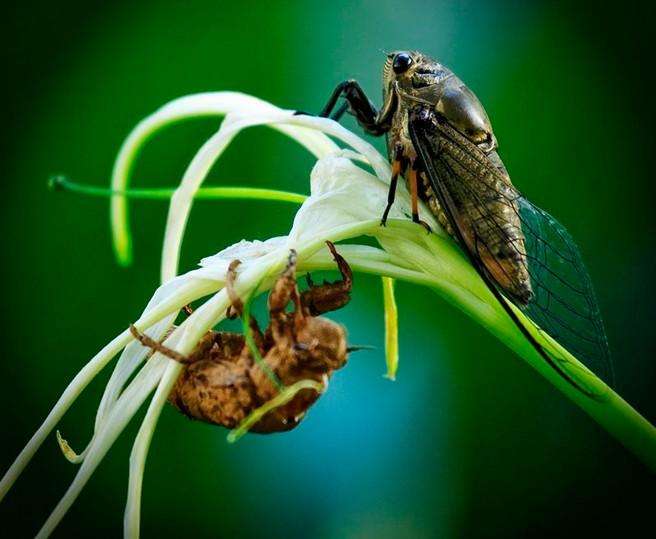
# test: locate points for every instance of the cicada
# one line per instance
(221, 382)
(439, 138)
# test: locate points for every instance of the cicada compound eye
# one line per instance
(402, 62)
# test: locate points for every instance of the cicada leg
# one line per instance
(284, 291)
(151, 343)
(237, 305)
(412, 180)
(329, 296)
(374, 122)
(397, 166)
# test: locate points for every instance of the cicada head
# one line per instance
(321, 346)
(415, 79)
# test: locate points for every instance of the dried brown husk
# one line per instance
(223, 384)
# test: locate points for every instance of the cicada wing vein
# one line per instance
(506, 237)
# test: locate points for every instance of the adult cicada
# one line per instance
(439, 138)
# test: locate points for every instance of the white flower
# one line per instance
(346, 202)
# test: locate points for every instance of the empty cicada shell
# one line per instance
(221, 382)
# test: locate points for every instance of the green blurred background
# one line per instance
(469, 442)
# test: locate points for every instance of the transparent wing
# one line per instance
(564, 303)
(517, 247)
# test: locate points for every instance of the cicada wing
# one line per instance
(508, 239)
(564, 302)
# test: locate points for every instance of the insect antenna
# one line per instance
(358, 347)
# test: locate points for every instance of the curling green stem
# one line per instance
(608, 408)
(281, 399)
(61, 183)
(252, 345)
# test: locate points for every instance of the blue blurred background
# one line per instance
(469, 442)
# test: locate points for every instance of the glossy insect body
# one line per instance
(418, 83)
(486, 208)
(440, 139)
(412, 82)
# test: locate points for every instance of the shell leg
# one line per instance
(148, 342)
(329, 296)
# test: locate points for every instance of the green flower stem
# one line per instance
(608, 409)
(60, 183)
(282, 398)
(252, 346)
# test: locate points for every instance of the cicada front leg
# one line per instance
(319, 299)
